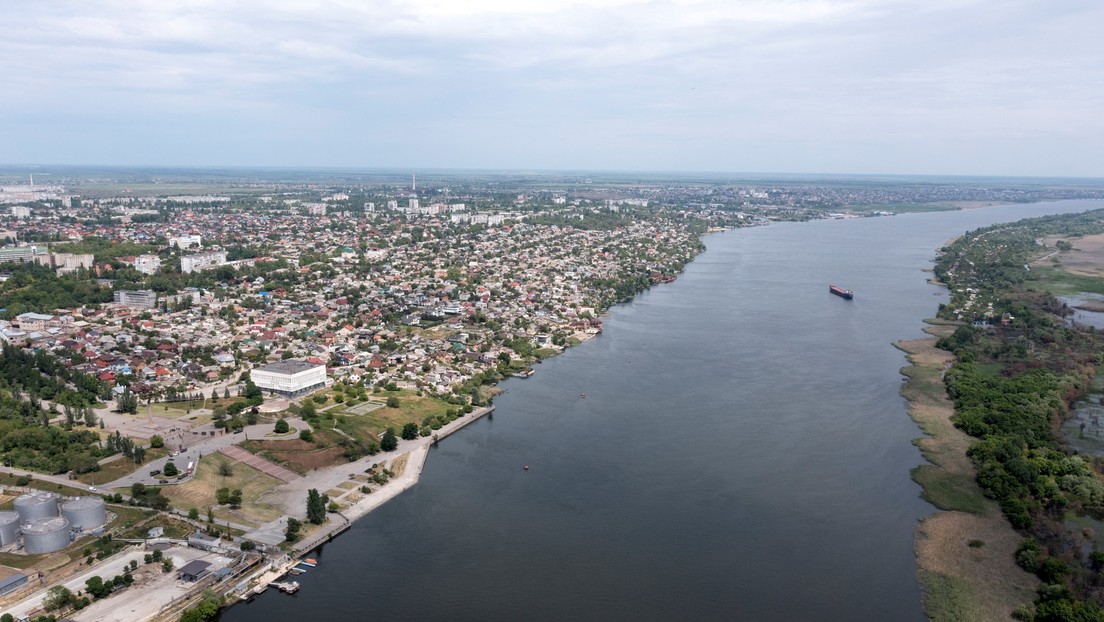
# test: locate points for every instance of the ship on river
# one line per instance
(841, 292)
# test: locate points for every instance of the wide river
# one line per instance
(741, 453)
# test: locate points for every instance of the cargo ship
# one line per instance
(841, 292)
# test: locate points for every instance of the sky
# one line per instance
(959, 87)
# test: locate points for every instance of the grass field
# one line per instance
(368, 426)
(199, 491)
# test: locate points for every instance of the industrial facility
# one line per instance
(47, 526)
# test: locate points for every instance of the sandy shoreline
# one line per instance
(965, 551)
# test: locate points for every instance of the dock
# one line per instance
(287, 587)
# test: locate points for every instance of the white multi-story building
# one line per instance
(70, 262)
(21, 211)
(202, 261)
(139, 299)
(37, 254)
(186, 241)
(291, 377)
(147, 264)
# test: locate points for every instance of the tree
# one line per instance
(225, 469)
(306, 435)
(293, 527)
(97, 588)
(282, 426)
(170, 469)
(389, 442)
(316, 507)
(193, 514)
(57, 597)
(307, 410)
(393, 402)
(410, 432)
(127, 402)
(157, 441)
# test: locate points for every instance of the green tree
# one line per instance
(306, 435)
(308, 410)
(292, 531)
(170, 469)
(193, 514)
(97, 588)
(393, 402)
(225, 470)
(156, 441)
(316, 507)
(410, 431)
(57, 597)
(389, 442)
(282, 426)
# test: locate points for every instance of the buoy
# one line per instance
(526, 467)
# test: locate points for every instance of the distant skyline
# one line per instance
(936, 87)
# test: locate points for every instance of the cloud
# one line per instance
(717, 73)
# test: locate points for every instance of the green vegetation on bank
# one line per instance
(1012, 325)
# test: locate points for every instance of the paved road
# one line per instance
(198, 447)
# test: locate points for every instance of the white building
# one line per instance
(186, 241)
(139, 299)
(21, 211)
(70, 262)
(291, 377)
(147, 264)
(202, 261)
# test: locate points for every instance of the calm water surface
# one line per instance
(742, 453)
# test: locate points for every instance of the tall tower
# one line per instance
(413, 182)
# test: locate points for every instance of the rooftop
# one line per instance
(290, 366)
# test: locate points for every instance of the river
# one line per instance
(741, 453)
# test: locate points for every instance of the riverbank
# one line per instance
(412, 455)
(964, 552)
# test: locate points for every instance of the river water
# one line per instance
(742, 453)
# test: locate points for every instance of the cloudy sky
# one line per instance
(1001, 87)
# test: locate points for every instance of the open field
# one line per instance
(964, 553)
(199, 491)
(1074, 271)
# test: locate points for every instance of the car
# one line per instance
(182, 476)
(92, 488)
(155, 472)
(162, 481)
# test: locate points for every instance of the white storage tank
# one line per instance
(85, 512)
(9, 528)
(36, 505)
(45, 535)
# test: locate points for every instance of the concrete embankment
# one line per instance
(416, 453)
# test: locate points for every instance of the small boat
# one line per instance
(582, 395)
(526, 467)
(297, 570)
(309, 562)
(841, 292)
